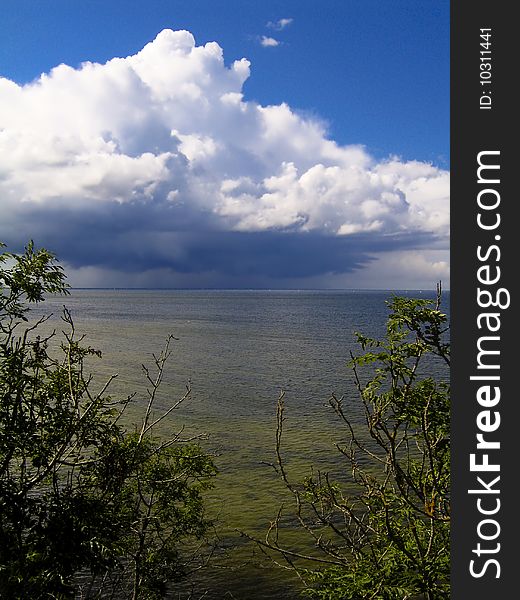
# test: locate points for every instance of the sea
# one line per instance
(238, 350)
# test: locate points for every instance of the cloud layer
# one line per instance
(156, 163)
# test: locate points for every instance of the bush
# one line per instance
(87, 509)
(389, 539)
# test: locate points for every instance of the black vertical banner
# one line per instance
(485, 343)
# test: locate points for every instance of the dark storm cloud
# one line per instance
(133, 239)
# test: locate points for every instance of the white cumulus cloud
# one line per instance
(269, 42)
(164, 140)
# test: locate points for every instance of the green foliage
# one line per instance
(390, 539)
(32, 275)
(86, 508)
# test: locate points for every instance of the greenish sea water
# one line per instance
(238, 350)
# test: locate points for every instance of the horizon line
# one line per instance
(225, 289)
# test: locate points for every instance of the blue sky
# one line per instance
(369, 76)
(376, 70)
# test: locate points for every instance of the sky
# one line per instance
(226, 143)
